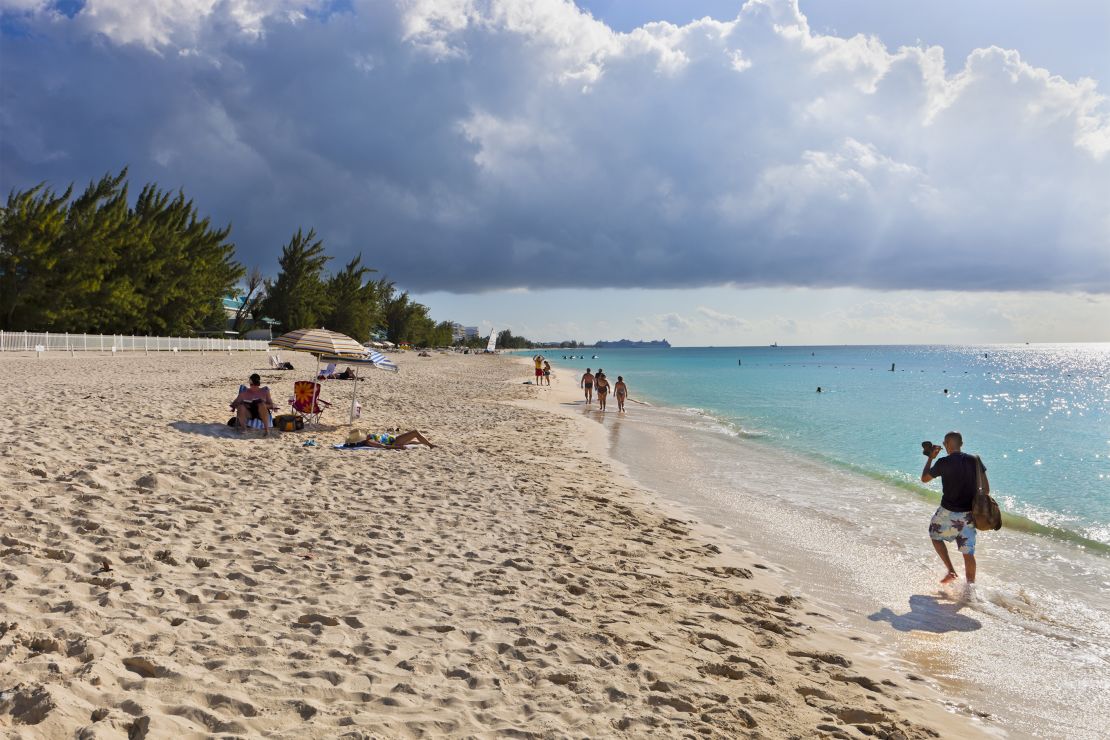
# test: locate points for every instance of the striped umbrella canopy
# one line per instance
(320, 342)
(289, 338)
(367, 360)
(381, 361)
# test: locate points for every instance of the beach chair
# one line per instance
(275, 363)
(328, 371)
(306, 401)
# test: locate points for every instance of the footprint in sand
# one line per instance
(309, 619)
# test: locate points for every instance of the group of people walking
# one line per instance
(590, 382)
(598, 382)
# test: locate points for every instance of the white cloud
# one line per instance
(720, 320)
(494, 143)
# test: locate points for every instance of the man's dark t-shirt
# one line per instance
(957, 479)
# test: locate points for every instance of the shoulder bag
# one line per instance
(984, 509)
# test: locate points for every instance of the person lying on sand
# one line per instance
(254, 402)
(347, 374)
(387, 441)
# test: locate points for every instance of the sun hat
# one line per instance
(355, 436)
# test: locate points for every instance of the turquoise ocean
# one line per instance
(826, 486)
(1039, 415)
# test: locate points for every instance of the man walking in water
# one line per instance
(588, 385)
(952, 520)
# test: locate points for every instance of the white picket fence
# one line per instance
(24, 341)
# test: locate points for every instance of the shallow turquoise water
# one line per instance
(1038, 414)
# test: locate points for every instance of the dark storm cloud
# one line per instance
(468, 145)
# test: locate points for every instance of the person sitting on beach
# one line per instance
(254, 402)
(958, 473)
(387, 440)
(601, 383)
(588, 384)
(620, 390)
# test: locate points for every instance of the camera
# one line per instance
(927, 448)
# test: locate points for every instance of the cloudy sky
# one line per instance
(712, 172)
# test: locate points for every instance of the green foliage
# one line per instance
(31, 225)
(506, 340)
(299, 298)
(354, 308)
(94, 264)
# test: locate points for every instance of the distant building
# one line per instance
(460, 332)
(232, 306)
(262, 329)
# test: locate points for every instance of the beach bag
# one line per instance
(984, 509)
(288, 423)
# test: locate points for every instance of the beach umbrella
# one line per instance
(320, 342)
(371, 359)
(289, 338)
(324, 342)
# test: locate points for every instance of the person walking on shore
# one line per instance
(620, 390)
(587, 384)
(602, 385)
(952, 520)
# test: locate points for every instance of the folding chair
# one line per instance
(306, 401)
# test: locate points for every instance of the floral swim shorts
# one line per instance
(946, 526)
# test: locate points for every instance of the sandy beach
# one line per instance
(163, 576)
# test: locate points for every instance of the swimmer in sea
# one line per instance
(620, 390)
(588, 385)
(602, 386)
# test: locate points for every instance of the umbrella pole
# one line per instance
(354, 391)
(316, 388)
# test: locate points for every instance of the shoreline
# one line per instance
(1004, 614)
(746, 418)
(829, 629)
(164, 575)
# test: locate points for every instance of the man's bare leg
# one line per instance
(942, 550)
(969, 568)
(243, 414)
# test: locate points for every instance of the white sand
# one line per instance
(511, 581)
